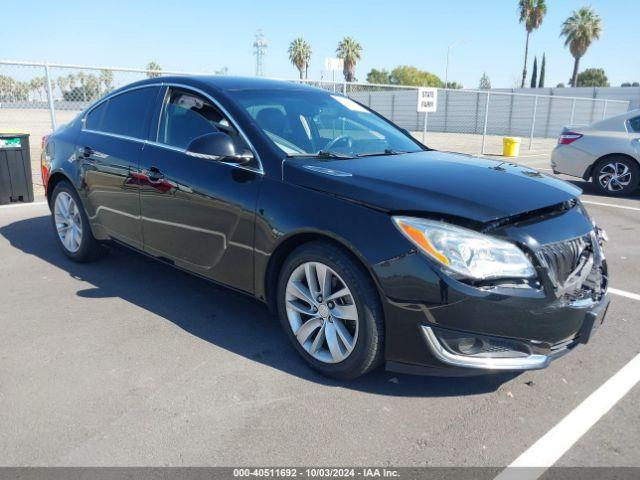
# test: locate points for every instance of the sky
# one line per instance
(202, 35)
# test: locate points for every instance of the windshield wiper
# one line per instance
(387, 151)
(321, 154)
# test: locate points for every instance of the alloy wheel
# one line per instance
(614, 176)
(68, 222)
(322, 312)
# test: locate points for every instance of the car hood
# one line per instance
(433, 182)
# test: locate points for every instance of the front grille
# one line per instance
(563, 258)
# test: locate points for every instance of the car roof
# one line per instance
(228, 83)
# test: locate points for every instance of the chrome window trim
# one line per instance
(109, 97)
(115, 135)
(530, 362)
(260, 168)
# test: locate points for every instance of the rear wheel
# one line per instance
(330, 309)
(616, 175)
(72, 225)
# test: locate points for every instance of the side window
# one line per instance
(94, 118)
(187, 115)
(124, 114)
(634, 123)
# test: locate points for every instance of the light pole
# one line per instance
(446, 72)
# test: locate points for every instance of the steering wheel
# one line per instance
(338, 141)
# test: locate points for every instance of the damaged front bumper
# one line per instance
(440, 326)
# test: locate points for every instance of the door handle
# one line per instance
(154, 174)
(87, 152)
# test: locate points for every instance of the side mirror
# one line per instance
(217, 146)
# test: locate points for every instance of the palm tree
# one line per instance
(581, 28)
(531, 14)
(350, 52)
(300, 54)
(106, 79)
(153, 69)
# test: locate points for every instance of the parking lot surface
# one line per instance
(129, 362)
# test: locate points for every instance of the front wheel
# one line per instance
(71, 225)
(616, 176)
(331, 311)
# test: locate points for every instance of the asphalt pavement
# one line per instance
(129, 362)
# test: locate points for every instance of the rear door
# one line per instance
(198, 213)
(109, 147)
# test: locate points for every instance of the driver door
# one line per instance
(197, 213)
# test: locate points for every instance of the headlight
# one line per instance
(465, 252)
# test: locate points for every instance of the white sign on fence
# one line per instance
(333, 64)
(427, 100)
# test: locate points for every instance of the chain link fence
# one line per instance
(36, 97)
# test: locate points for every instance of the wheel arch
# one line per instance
(289, 244)
(588, 174)
(54, 180)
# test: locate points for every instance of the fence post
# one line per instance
(604, 109)
(47, 75)
(446, 108)
(344, 88)
(573, 111)
(393, 106)
(424, 131)
(533, 121)
(486, 118)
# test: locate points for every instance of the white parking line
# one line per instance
(557, 441)
(17, 205)
(622, 293)
(589, 202)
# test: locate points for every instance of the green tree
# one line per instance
(106, 80)
(408, 75)
(378, 76)
(63, 84)
(454, 86)
(532, 13)
(543, 71)
(534, 73)
(580, 29)
(485, 83)
(82, 87)
(560, 85)
(592, 77)
(350, 52)
(300, 55)
(38, 85)
(154, 69)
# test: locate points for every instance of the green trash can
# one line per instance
(16, 183)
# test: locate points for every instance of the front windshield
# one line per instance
(304, 123)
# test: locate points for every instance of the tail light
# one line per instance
(569, 137)
(45, 163)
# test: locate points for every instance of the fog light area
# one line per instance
(463, 343)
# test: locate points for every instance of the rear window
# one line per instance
(124, 114)
(634, 124)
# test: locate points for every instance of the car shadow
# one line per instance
(224, 318)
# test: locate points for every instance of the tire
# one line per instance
(71, 225)
(346, 360)
(616, 175)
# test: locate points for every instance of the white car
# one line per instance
(607, 152)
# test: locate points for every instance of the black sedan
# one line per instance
(371, 247)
